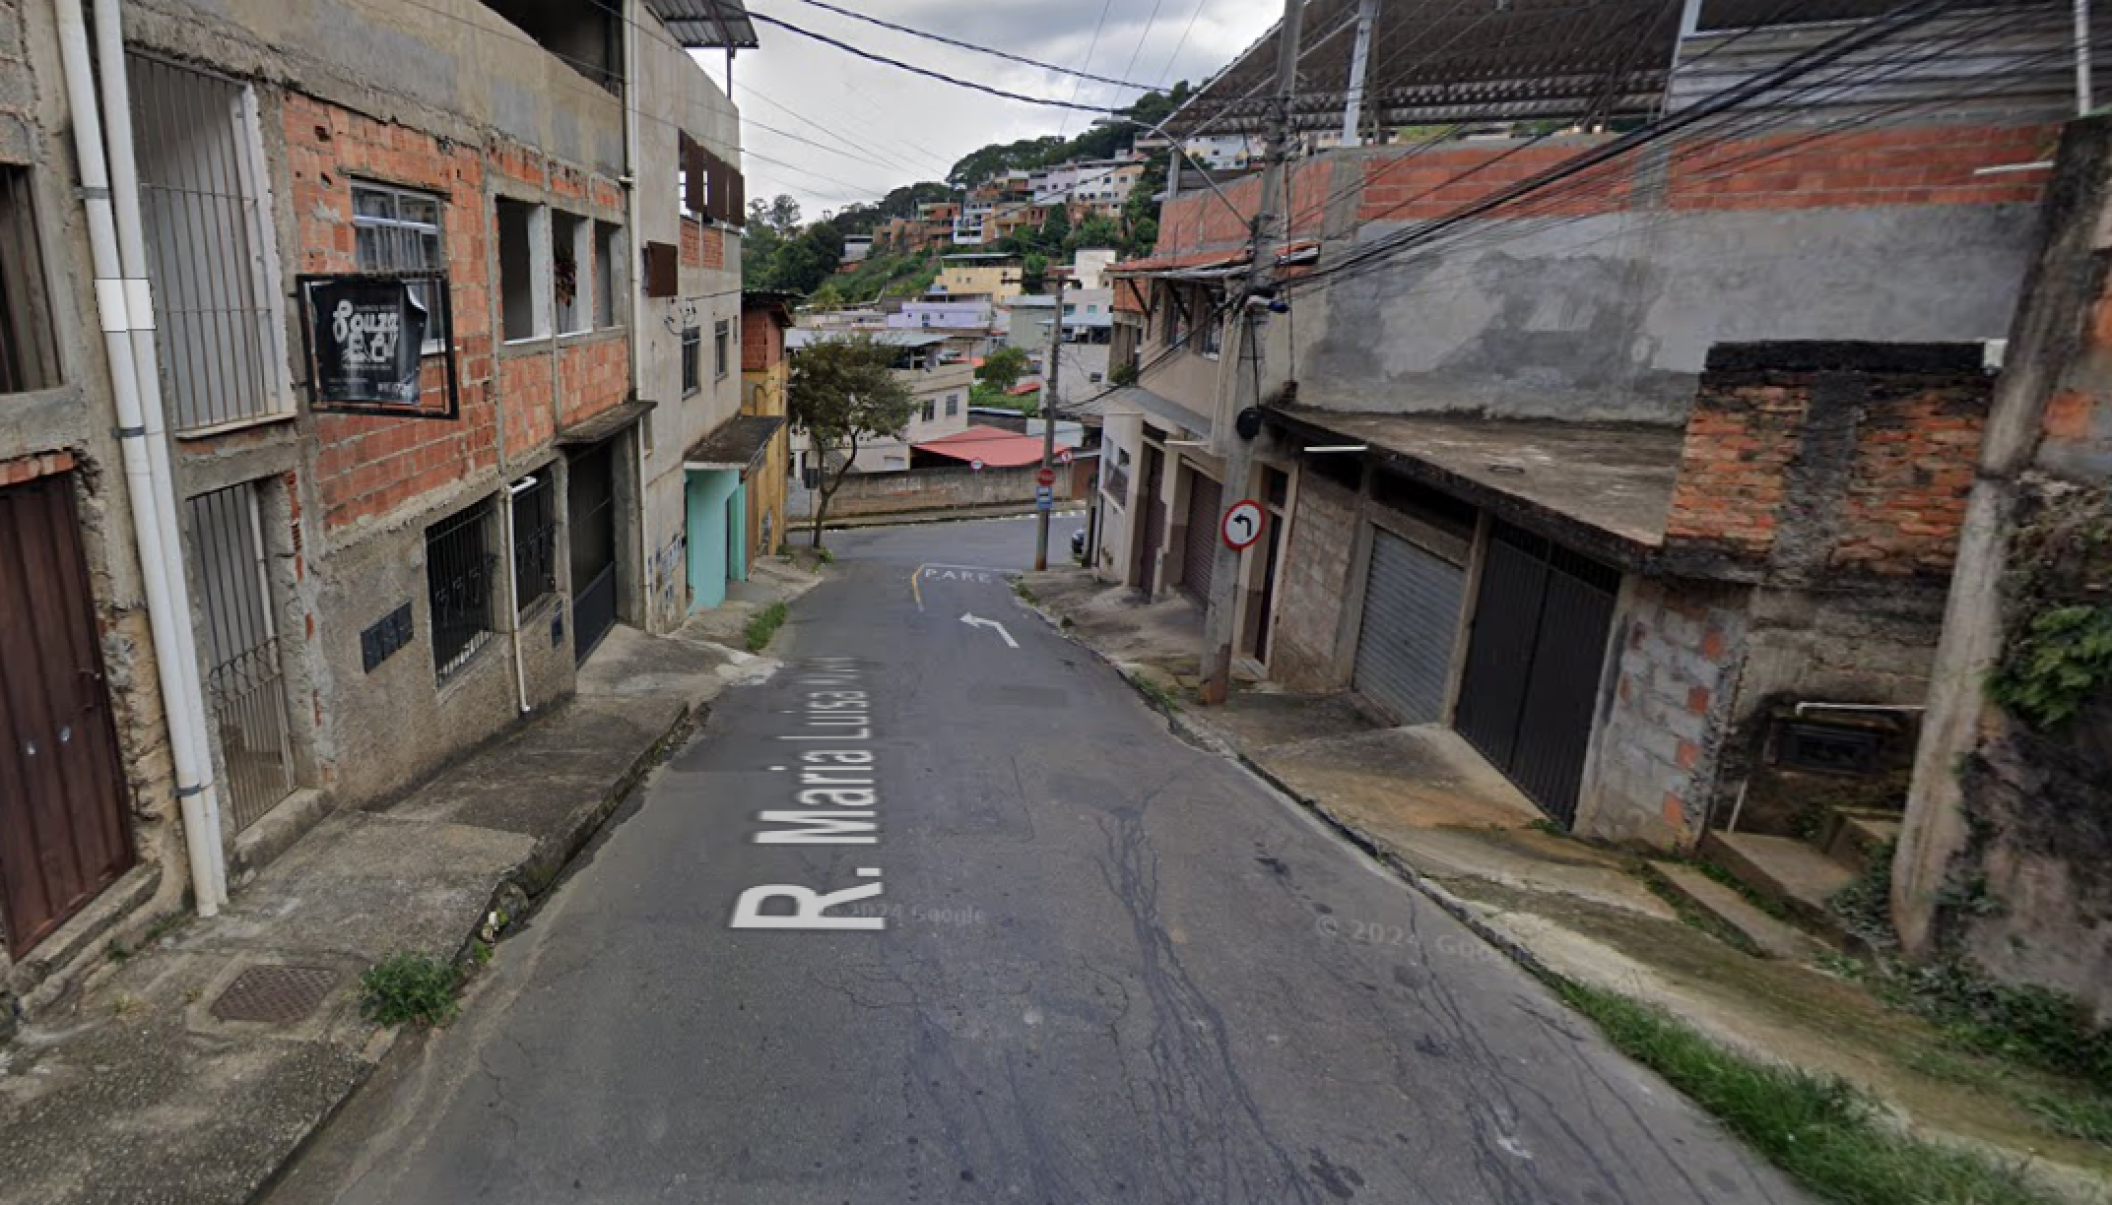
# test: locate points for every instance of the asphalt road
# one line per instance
(1102, 966)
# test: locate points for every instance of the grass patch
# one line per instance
(1161, 695)
(763, 625)
(1025, 592)
(1822, 1132)
(409, 987)
(2083, 1120)
(1764, 903)
(823, 555)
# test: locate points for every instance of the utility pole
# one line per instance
(1048, 418)
(1270, 228)
(1359, 66)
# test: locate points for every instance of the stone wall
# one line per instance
(2008, 838)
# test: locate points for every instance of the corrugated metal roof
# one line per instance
(804, 337)
(1437, 60)
(995, 447)
(706, 24)
(738, 443)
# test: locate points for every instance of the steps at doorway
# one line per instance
(1853, 838)
(1795, 875)
(1769, 936)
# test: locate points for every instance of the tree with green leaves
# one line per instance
(1095, 231)
(1056, 227)
(1034, 272)
(844, 392)
(1003, 368)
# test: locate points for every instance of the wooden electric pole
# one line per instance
(1270, 228)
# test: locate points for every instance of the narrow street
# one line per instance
(1099, 965)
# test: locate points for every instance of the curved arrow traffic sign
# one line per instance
(1242, 525)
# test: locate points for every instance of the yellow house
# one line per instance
(764, 375)
(994, 275)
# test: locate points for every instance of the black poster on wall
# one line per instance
(366, 344)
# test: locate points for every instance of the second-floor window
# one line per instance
(692, 354)
(29, 352)
(929, 409)
(721, 349)
(397, 230)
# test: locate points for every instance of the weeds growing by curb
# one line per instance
(1026, 595)
(763, 625)
(1161, 695)
(409, 987)
(1823, 1132)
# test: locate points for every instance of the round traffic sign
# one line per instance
(1242, 525)
(1063, 457)
(1045, 476)
(976, 464)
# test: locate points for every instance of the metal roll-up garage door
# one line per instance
(1411, 621)
(1199, 555)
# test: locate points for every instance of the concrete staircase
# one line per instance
(1793, 878)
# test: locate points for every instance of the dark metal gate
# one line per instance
(1533, 666)
(1410, 629)
(1199, 550)
(591, 510)
(1152, 536)
(63, 836)
(245, 685)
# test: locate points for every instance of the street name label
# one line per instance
(836, 798)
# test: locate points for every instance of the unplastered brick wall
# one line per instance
(1824, 463)
(369, 466)
(1658, 752)
(592, 377)
(703, 246)
(762, 342)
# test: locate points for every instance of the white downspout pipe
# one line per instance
(513, 586)
(635, 207)
(168, 599)
(146, 364)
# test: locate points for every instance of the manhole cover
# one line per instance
(278, 994)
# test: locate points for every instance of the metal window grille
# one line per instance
(930, 406)
(397, 230)
(211, 249)
(29, 353)
(459, 572)
(721, 339)
(953, 404)
(692, 352)
(534, 542)
(246, 684)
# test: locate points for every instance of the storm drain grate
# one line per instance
(278, 994)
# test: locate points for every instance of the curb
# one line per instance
(915, 518)
(1204, 738)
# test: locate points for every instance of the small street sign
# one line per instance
(1045, 476)
(1242, 525)
(1063, 457)
(976, 465)
(1044, 498)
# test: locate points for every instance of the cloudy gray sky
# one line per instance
(902, 128)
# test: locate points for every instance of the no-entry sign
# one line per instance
(1242, 525)
(1045, 476)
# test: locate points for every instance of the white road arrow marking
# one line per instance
(973, 622)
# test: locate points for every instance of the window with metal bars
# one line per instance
(692, 357)
(534, 541)
(211, 248)
(29, 353)
(397, 230)
(721, 349)
(460, 569)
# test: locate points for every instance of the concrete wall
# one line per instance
(678, 97)
(934, 490)
(2007, 843)
(1883, 234)
(1307, 650)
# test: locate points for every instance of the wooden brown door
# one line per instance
(63, 835)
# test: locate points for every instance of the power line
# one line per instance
(1093, 46)
(927, 72)
(956, 42)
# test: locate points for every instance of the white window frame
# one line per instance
(436, 340)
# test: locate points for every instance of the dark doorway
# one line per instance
(63, 836)
(1152, 537)
(1532, 677)
(1199, 547)
(591, 511)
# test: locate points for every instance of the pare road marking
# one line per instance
(954, 573)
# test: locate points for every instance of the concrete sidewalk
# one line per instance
(1424, 803)
(152, 1087)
